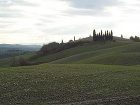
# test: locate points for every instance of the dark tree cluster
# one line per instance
(49, 48)
(19, 61)
(55, 47)
(136, 38)
(108, 35)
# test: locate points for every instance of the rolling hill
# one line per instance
(109, 53)
(94, 73)
(113, 53)
(120, 55)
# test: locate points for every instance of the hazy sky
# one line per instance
(43, 21)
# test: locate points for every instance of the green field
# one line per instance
(110, 53)
(61, 84)
(6, 62)
(92, 74)
(119, 55)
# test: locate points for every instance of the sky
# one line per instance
(44, 21)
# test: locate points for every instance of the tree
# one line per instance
(107, 33)
(101, 32)
(121, 36)
(74, 38)
(94, 35)
(13, 61)
(131, 38)
(49, 48)
(111, 35)
(43, 50)
(18, 62)
(62, 42)
(136, 38)
(22, 62)
(70, 41)
(111, 32)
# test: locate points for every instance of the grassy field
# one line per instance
(79, 50)
(128, 54)
(82, 84)
(110, 53)
(95, 73)
(6, 62)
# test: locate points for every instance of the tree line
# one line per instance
(55, 47)
(106, 36)
(136, 38)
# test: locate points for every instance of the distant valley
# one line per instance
(9, 50)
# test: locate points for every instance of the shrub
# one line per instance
(56, 47)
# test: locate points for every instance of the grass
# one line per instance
(110, 53)
(49, 84)
(6, 62)
(127, 54)
(90, 74)
(79, 50)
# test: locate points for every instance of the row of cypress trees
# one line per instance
(108, 35)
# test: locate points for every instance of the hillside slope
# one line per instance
(119, 55)
(112, 53)
(6, 62)
(124, 53)
(78, 76)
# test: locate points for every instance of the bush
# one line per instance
(136, 38)
(13, 62)
(22, 62)
(19, 62)
(57, 47)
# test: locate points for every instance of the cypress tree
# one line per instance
(94, 35)
(101, 32)
(107, 35)
(62, 42)
(99, 38)
(109, 38)
(111, 35)
(121, 36)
